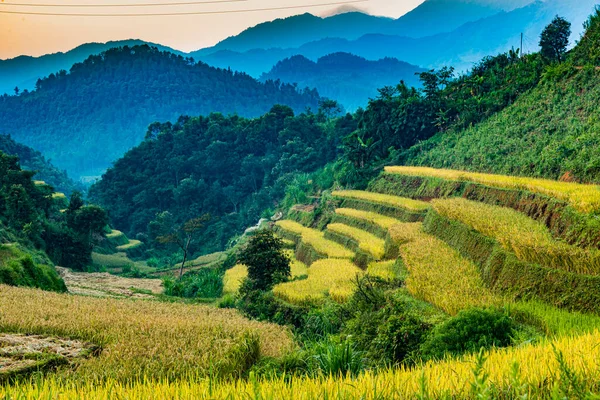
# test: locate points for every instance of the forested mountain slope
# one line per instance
(234, 169)
(33, 160)
(24, 71)
(349, 79)
(85, 119)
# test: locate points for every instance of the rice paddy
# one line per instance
(366, 241)
(316, 239)
(530, 371)
(329, 277)
(381, 221)
(384, 199)
(530, 240)
(440, 275)
(141, 339)
(585, 198)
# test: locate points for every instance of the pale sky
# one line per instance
(37, 35)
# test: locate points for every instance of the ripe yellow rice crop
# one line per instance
(366, 241)
(323, 277)
(439, 275)
(316, 239)
(585, 198)
(537, 370)
(371, 217)
(530, 240)
(233, 277)
(384, 199)
(140, 339)
(133, 244)
(114, 234)
(59, 196)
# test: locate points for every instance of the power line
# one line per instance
(53, 14)
(123, 5)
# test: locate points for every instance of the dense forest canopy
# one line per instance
(233, 168)
(39, 229)
(85, 119)
(33, 160)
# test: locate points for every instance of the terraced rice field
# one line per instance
(383, 199)
(440, 275)
(530, 240)
(329, 277)
(316, 239)
(381, 221)
(366, 241)
(585, 198)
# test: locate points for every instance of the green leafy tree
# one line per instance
(88, 222)
(555, 39)
(267, 263)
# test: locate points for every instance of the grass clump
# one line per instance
(204, 283)
(528, 239)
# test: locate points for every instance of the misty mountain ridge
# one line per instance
(350, 79)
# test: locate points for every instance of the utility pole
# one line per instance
(521, 44)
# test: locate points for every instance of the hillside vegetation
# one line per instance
(229, 167)
(40, 228)
(33, 160)
(107, 101)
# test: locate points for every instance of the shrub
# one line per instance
(204, 283)
(385, 327)
(469, 331)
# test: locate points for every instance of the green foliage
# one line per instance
(587, 51)
(555, 39)
(33, 160)
(468, 332)
(338, 358)
(109, 99)
(266, 261)
(386, 327)
(18, 268)
(401, 117)
(264, 306)
(205, 283)
(548, 132)
(229, 167)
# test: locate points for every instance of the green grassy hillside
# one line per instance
(551, 131)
